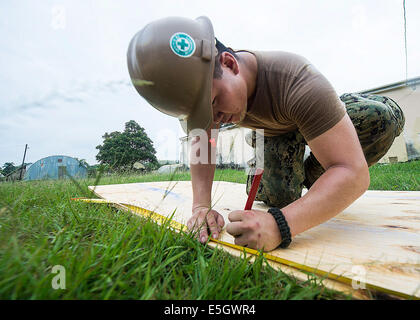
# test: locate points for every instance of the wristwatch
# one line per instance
(286, 236)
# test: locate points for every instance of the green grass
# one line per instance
(398, 176)
(223, 175)
(111, 254)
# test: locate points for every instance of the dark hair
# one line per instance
(218, 72)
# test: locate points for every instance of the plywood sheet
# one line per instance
(376, 239)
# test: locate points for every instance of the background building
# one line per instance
(232, 149)
(56, 167)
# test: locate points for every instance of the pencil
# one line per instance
(254, 187)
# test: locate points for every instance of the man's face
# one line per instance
(229, 96)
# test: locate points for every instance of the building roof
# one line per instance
(413, 83)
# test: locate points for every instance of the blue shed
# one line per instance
(56, 167)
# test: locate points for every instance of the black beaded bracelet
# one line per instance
(286, 237)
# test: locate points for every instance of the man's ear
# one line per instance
(227, 60)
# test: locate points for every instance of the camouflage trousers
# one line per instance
(378, 121)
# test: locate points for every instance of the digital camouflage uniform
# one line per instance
(378, 121)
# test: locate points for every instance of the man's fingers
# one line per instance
(213, 226)
(241, 241)
(235, 228)
(195, 223)
(235, 216)
(203, 235)
(199, 227)
(220, 221)
(204, 220)
(190, 224)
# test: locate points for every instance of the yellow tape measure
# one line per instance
(160, 219)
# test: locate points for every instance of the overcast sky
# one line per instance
(64, 79)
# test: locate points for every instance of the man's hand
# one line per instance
(254, 229)
(204, 218)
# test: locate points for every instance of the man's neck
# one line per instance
(248, 65)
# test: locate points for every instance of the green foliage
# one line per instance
(92, 170)
(398, 176)
(83, 163)
(112, 254)
(8, 167)
(120, 150)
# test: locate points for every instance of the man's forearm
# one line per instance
(334, 191)
(202, 180)
(202, 174)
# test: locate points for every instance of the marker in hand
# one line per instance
(254, 187)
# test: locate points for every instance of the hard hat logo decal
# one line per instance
(182, 44)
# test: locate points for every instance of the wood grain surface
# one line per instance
(375, 241)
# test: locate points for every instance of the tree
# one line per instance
(8, 167)
(121, 150)
(83, 163)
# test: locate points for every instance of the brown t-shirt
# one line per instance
(291, 94)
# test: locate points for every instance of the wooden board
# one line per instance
(376, 239)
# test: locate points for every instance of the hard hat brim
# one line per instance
(202, 116)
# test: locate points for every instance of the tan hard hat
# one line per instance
(177, 56)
